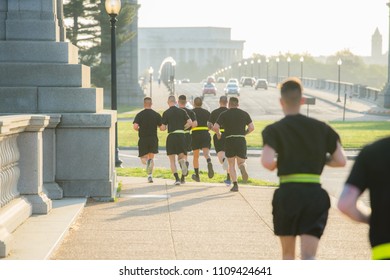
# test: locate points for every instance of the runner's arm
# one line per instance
(163, 127)
(268, 158)
(194, 123)
(251, 127)
(337, 159)
(136, 126)
(216, 128)
(210, 125)
(188, 123)
(348, 204)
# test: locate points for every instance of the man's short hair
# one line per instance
(198, 102)
(223, 100)
(291, 91)
(233, 101)
(171, 98)
(182, 99)
(147, 99)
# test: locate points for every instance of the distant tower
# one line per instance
(376, 44)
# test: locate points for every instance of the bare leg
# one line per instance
(309, 245)
(144, 159)
(242, 167)
(206, 153)
(172, 163)
(288, 247)
(196, 158)
(221, 156)
(232, 168)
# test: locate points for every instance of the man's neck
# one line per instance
(291, 111)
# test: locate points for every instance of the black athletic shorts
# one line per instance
(146, 145)
(176, 144)
(235, 147)
(300, 208)
(201, 139)
(219, 144)
(188, 139)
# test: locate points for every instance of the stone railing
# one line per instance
(353, 90)
(21, 173)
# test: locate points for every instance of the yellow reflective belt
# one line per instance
(200, 128)
(177, 131)
(381, 252)
(300, 178)
(231, 136)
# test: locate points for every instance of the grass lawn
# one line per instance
(353, 134)
(165, 173)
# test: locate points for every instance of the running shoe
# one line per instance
(225, 164)
(182, 180)
(183, 166)
(177, 183)
(195, 177)
(244, 174)
(227, 182)
(234, 189)
(149, 166)
(210, 170)
(150, 179)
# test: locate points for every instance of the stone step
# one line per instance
(40, 52)
(35, 100)
(44, 75)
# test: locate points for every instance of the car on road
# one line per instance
(261, 83)
(248, 81)
(209, 88)
(232, 88)
(233, 80)
(221, 80)
(185, 81)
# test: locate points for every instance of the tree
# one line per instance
(89, 30)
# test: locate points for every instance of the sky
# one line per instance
(273, 26)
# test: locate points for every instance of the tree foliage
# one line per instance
(88, 28)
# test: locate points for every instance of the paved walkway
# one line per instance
(191, 221)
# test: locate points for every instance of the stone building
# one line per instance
(200, 45)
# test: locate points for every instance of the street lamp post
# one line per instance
(259, 68)
(113, 8)
(339, 62)
(252, 62)
(301, 60)
(267, 61)
(173, 76)
(151, 79)
(288, 66)
(277, 71)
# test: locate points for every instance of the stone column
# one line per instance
(30, 184)
(29, 20)
(50, 187)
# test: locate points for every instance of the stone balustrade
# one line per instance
(21, 173)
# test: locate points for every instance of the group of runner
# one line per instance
(189, 130)
(297, 146)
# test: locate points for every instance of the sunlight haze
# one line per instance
(270, 27)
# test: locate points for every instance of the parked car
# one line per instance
(261, 83)
(209, 88)
(248, 82)
(232, 88)
(185, 81)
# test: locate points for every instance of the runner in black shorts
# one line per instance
(182, 102)
(219, 144)
(237, 124)
(201, 139)
(176, 120)
(303, 146)
(146, 123)
(371, 171)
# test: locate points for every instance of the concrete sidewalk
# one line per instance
(191, 221)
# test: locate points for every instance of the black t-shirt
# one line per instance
(215, 115)
(371, 171)
(148, 121)
(175, 118)
(234, 121)
(191, 114)
(301, 143)
(202, 116)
